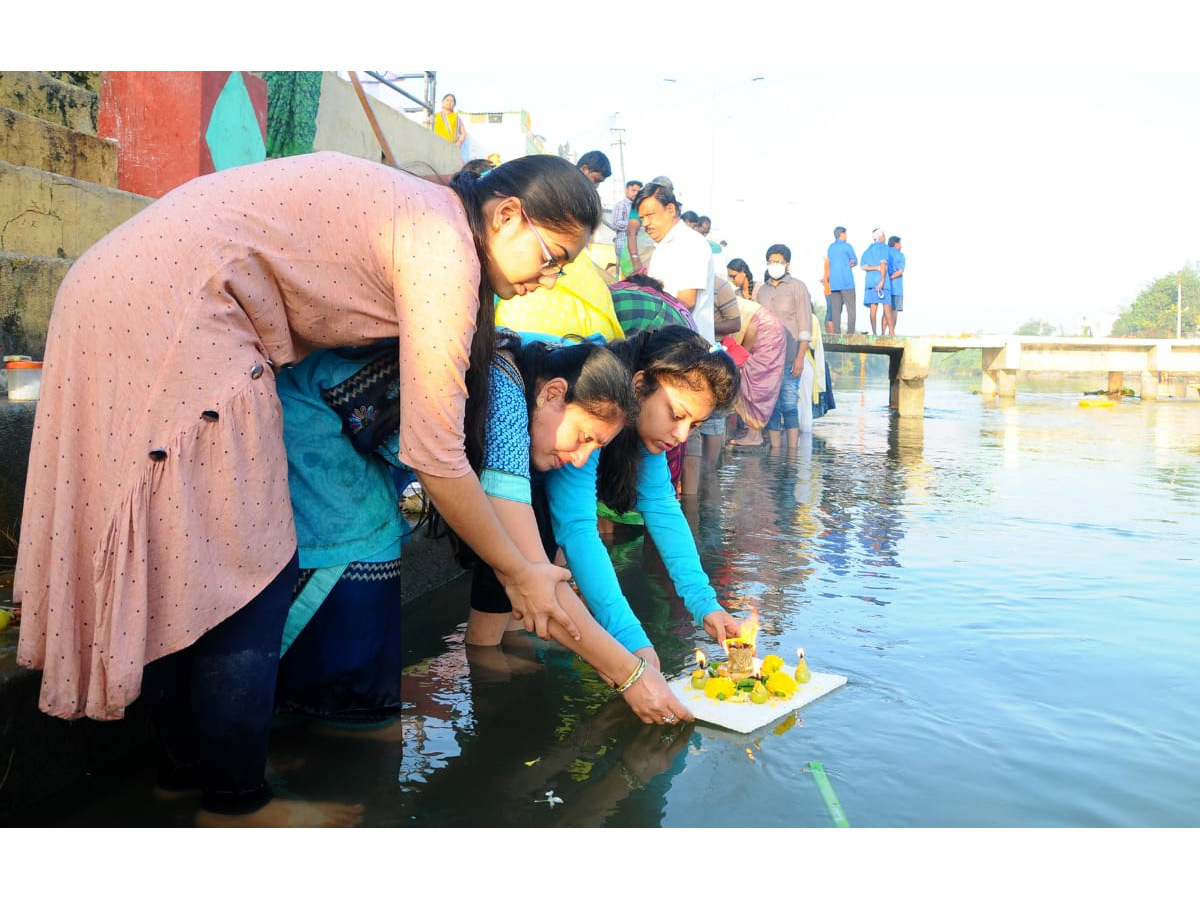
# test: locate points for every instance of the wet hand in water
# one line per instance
(532, 594)
(653, 702)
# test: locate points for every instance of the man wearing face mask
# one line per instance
(788, 299)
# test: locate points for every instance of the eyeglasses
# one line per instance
(551, 266)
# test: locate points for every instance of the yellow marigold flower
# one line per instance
(771, 663)
(719, 688)
(781, 684)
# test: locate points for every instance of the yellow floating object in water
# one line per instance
(1096, 401)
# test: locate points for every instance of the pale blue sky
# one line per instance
(1017, 194)
(1038, 157)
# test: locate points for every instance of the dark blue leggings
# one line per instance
(212, 703)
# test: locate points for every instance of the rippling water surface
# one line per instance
(1010, 589)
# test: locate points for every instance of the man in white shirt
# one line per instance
(682, 259)
(683, 262)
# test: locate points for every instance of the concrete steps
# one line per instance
(44, 214)
(46, 222)
(43, 96)
(29, 141)
(58, 194)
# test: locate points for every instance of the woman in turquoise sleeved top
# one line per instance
(546, 407)
(679, 380)
(543, 417)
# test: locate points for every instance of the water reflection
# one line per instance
(534, 736)
(1009, 589)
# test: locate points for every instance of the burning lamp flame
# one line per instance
(701, 660)
(747, 633)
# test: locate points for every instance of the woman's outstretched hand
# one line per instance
(652, 700)
(532, 594)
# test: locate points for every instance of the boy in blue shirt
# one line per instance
(896, 277)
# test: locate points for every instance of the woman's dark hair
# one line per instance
(739, 265)
(676, 356)
(641, 278)
(553, 193)
(597, 381)
(478, 166)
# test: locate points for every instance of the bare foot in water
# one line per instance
(493, 664)
(162, 793)
(390, 731)
(282, 813)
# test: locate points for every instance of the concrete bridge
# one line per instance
(1006, 355)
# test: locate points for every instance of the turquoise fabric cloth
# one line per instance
(345, 503)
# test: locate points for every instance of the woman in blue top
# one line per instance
(568, 401)
(678, 380)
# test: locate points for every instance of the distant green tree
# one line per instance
(1037, 328)
(1153, 313)
(958, 364)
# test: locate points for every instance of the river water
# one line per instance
(1010, 589)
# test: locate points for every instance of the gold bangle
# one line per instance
(632, 679)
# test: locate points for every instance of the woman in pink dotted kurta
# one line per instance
(157, 497)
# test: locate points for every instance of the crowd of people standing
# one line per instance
(770, 326)
(883, 266)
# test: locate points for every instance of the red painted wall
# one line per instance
(159, 120)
